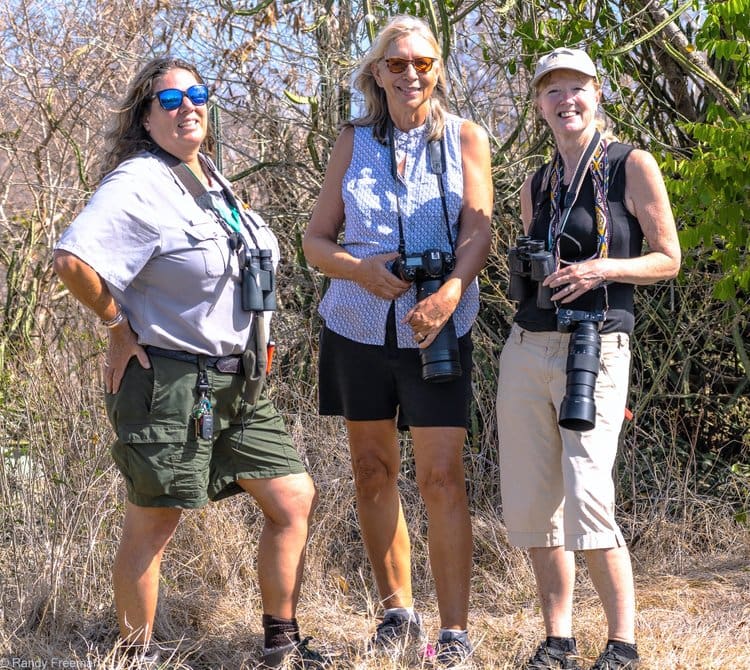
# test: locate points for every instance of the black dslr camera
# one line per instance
(578, 409)
(440, 361)
(258, 282)
(529, 264)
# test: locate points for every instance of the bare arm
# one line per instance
(527, 206)
(90, 290)
(428, 316)
(320, 242)
(645, 198)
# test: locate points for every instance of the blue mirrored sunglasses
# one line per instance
(171, 98)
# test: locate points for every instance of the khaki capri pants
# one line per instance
(556, 484)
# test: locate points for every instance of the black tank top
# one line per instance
(626, 241)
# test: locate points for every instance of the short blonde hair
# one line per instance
(376, 107)
(602, 122)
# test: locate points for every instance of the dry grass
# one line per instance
(61, 506)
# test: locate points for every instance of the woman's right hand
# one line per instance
(374, 274)
(123, 345)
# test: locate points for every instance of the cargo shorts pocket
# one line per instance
(153, 405)
(151, 416)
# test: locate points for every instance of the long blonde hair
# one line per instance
(127, 136)
(376, 106)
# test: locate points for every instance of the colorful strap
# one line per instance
(595, 159)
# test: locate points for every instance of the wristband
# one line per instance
(116, 320)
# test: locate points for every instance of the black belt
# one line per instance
(228, 364)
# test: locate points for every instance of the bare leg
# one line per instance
(145, 535)
(612, 575)
(376, 461)
(441, 479)
(287, 504)
(554, 569)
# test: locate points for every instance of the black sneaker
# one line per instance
(295, 656)
(611, 659)
(396, 633)
(547, 657)
(453, 650)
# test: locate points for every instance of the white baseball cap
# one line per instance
(563, 58)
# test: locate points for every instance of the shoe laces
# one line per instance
(549, 658)
(453, 650)
(610, 659)
(394, 626)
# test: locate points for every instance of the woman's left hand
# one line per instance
(428, 316)
(572, 281)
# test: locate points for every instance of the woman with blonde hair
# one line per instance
(408, 187)
(564, 369)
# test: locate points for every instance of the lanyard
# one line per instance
(231, 219)
(556, 231)
(229, 214)
(436, 152)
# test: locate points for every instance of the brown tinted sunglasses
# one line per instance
(399, 65)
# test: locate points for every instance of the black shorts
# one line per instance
(364, 382)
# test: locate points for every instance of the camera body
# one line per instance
(258, 281)
(529, 264)
(430, 264)
(569, 319)
(440, 361)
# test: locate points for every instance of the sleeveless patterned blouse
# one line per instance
(369, 192)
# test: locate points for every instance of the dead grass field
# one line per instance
(61, 506)
(694, 614)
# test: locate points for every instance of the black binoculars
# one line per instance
(529, 264)
(258, 282)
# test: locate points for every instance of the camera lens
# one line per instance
(578, 408)
(440, 361)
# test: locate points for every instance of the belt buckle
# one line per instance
(228, 364)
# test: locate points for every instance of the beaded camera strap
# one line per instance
(594, 159)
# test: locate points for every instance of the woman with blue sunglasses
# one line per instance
(159, 255)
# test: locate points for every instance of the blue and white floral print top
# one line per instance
(369, 191)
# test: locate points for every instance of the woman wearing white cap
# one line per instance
(565, 367)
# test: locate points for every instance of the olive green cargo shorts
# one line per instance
(166, 463)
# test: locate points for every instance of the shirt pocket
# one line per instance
(213, 245)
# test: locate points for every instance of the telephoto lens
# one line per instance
(578, 408)
(440, 361)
